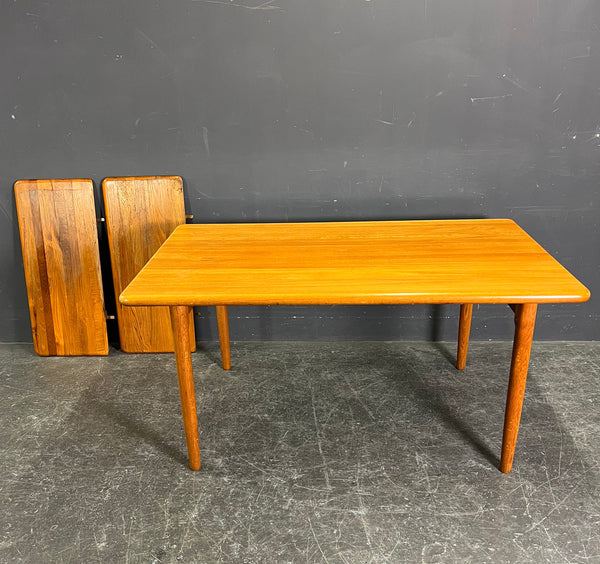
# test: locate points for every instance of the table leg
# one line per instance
(180, 316)
(464, 328)
(223, 323)
(524, 325)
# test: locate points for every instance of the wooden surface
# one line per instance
(464, 329)
(524, 325)
(223, 324)
(59, 240)
(185, 378)
(454, 261)
(141, 212)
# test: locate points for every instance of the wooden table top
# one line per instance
(364, 262)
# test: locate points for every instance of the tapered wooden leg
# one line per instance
(524, 325)
(464, 329)
(180, 320)
(223, 323)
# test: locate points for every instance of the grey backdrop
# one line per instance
(317, 110)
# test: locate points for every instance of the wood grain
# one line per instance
(464, 329)
(185, 377)
(59, 240)
(524, 325)
(141, 212)
(455, 261)
(223, 324)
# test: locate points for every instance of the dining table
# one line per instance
(455, 261)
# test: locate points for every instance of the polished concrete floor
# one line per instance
(312, 452)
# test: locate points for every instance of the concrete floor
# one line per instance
(333, 452)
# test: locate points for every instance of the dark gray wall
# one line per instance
(314, 110)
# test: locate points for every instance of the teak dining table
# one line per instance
(461, 262)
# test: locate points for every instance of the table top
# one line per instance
(362, 262)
